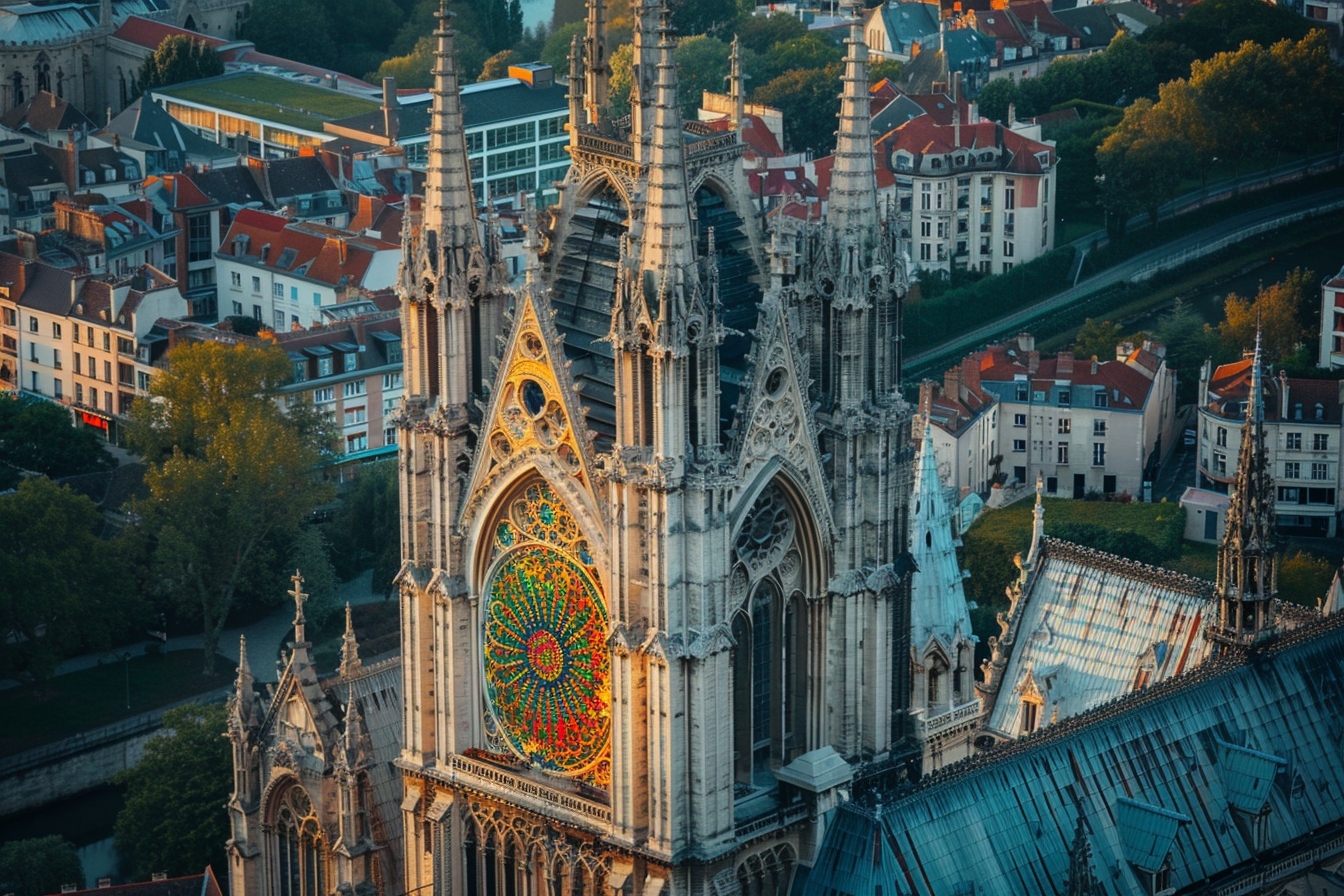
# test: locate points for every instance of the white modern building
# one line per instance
(1332, 322)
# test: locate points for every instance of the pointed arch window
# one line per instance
(300, 854)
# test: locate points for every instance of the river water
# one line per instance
(86, 821)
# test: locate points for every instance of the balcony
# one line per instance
(934, 725)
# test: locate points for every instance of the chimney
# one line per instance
(1033, 361)
(956, 128)
(952, 383)
(1025, 342)
(71, 163)
(51, 97)
(1064, 363)
(970, 374)
(391, 119)
(973, 117)
(1283, 395)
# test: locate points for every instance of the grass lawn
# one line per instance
(94, 697)
(273, 99)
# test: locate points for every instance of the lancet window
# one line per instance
(300, 854)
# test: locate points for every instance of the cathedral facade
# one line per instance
(654, 591)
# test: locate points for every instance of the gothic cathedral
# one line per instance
(655, 596)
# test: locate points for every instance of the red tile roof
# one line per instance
(149, 34)
(822, 167)
(323, 254)
(924, 136)
(1230, 387)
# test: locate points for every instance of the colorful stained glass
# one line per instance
(547, 672)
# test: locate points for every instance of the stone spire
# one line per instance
(1248, 563)
(737, 84)
(665, 241)
(350, 663)
(853, 196)
(450, 209)
(300, 636)
(937, 601)
(1037, 522)
(244, 699)
(577, 76)
(597, 72)
(1081, 881)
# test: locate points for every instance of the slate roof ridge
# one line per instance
(1134, 569)
(1203, 675)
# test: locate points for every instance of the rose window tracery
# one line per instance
(547, 670)
(767, 530)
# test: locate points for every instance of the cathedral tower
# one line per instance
(652, 581)
(1248, 559)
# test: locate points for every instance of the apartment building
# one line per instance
(976, 196)
(82, 340)
(285, 274)
(1303, 433)
(1081, 425)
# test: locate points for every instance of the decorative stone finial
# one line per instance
(299, 599)
(350, 663)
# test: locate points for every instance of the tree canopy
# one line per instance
(366, 530)
(179, 58)
(231, 475)
(1278, 309)
(174, 818)
(809, 99)
(65, 589)
(37, 436)
(39, 865)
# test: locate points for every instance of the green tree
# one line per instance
(230, 474)
(1304, 578)
(174, 818)
(179, 58)
(311, 555)
(1190, 342)
(798, 55)
(64, 587)
(497, 66)
(760, 33)
(1278, 309)
(1142, 162)
(37, 436)
(995, 97)
(1218, 26)
(555, 52)
(619, 85)
(1097, 338)
(39, 865)
(809, 99)
(366, 530)
(702, 64)
(272, 27)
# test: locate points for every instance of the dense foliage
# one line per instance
(65, 590)
(37, 436)
(231, 477)
(39, 865)
(366, 530)
(174, 818)
(1281, 311)
(179, 58)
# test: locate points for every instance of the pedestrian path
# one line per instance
(265, 637)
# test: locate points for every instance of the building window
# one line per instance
(1220, 437)
(391, 381)
(32, 325)
(55, 330)
(1062, 454)
(1019, 445)
(1007, 249)
(1065, 398)
(125, 374)
(58, 389)
(256, 284)
(1320, 442)
(351, 361)
(300, 371)
(11, 316)
(300, 859)
(1292, 470)
(1098, 454)
(198, 238)
(353, 388)
(357, 442)
(1098, 427)
(125, 346)
(324, 366)
(279, 321)
(925, 252)
(355, 416)
(325, 394)
(1051, 484)
(1294, 441)
(1019, 419)
(142, 380)
(1031, 716)
(79, 393)
(107, 371)
(1021, 392)
(78, 369)
(1220, 463)
(278, 290)
(1065, 426)
(317, 299)
(1319, 471)
(236, 279)
(390, 436)
(56, 358)
(1099, 399)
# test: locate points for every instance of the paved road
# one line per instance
(265, 637)
(1172, 254)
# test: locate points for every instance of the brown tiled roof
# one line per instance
(1230, 387)
(925, 136)
(324, 254)
(194, 885)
